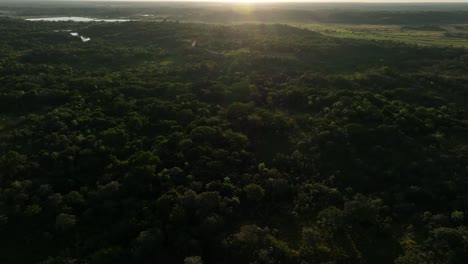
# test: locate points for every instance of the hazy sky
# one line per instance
(338, 1)
(356, 1)
(322, 1)
(342, 1)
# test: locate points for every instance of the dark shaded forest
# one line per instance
(166, 142)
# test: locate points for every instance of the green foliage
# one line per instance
(259, 144)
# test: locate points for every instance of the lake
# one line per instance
(76, 19)
(83, 38)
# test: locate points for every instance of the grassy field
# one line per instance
(443, 36)
(451, 35)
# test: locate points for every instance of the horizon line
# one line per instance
(262, 1)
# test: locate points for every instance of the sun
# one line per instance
(240, 1)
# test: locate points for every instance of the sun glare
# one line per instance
(240, 1)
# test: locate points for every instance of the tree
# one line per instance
(65, 221)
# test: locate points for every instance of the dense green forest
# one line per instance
(168, 142)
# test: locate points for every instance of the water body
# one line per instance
(83, 38)
(76, 19)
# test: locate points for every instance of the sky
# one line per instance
(312, 1)
(336, 1)
(342, 1)
(292, 1)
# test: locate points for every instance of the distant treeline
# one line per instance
(235, 14)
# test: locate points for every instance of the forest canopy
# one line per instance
(171, 142)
